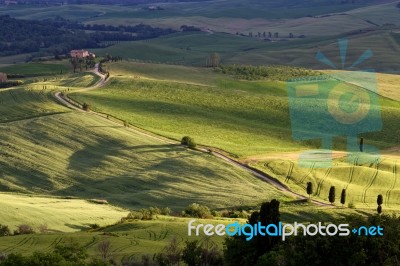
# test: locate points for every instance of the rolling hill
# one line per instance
(244, 118)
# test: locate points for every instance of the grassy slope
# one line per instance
(128, 240)
(133, 239)
(244, 118)
(37, 68)
(96, 158)
(66, 215)
(363, 182)
(194, 48)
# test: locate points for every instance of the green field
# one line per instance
(127, 240)
(37, 68)
(363, 182)
(248, 119)
(83, 156)
(135, 238)
(242, 117)
(47, 149)
(59, 214)
(194, 48)
(58, 164)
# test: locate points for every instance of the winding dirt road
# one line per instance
(65, 100)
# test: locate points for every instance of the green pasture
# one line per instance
(37, 68)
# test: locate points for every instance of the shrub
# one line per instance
(135, 215)
(11, 83)
(85, 107)
(94, 226)
(170, 255)
(43, 228)
(198, 211)
(24, 229)
(188, 141)
(148, 214)
(166, 211)
(4, 230)
(71, 251)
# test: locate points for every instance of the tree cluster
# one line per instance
(318, 249)
(281, 73)
(59, 36)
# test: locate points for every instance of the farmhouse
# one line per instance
(3, 77)
(81, 54)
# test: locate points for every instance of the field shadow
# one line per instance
(168, 182)
(78, 227)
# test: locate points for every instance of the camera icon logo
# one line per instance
(342, 104)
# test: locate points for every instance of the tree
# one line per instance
(191, 254)
(343, 197)
(276, 35)
(379, 200)
(214, 60)
(75, 63)
(104, 249)
(85, 107)
(239, 251)
(171, 254)
(332, 195)
(4, 230)
(188, 141)
(71, 251)
(379, 209)
(24, 229)
(309, 189)
(361, 144)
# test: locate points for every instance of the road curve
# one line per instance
(65, 100)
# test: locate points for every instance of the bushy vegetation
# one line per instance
(10, 83)
(24, 229)
(198, 211)
(316, 250)
(59, 36)
(188, 141)
(67, 254)
(194, 253)
(281, 73)
(147, 214)
(4, 230)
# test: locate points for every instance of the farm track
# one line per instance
(351, 174)
(319, 187)
(55, 242)
(308, 174)
(289, 174)
(372, 180)
(66, 101)
(21, 243)
(387, 197)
